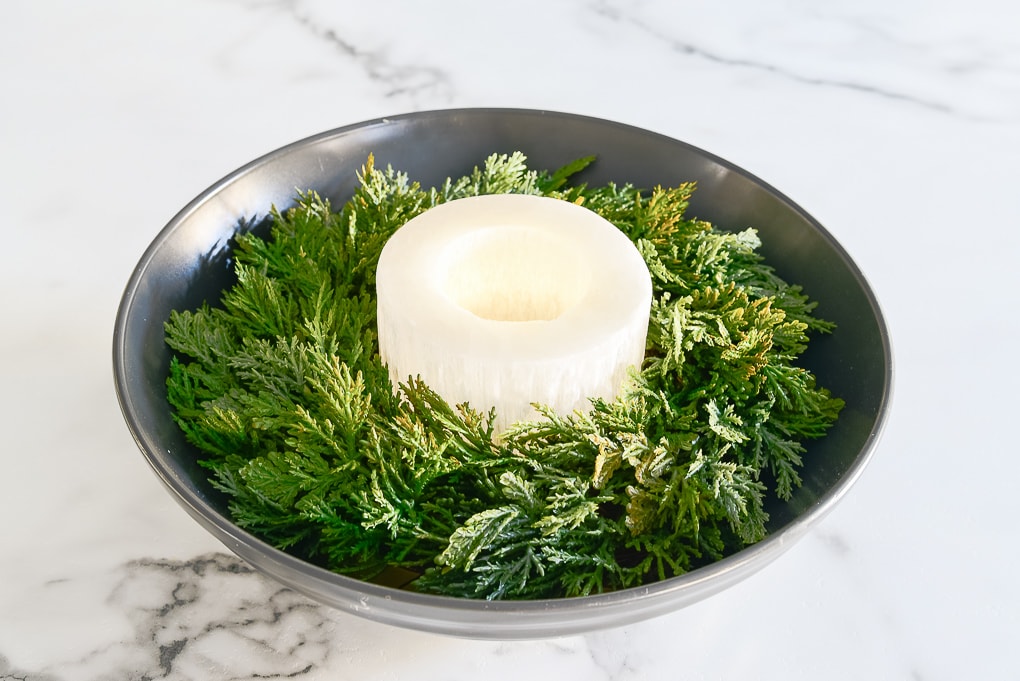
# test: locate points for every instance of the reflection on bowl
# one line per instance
(189, 262)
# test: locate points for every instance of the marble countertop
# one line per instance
(897, 124)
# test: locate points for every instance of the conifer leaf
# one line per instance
(478, 533)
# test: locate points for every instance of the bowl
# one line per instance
(189, 262)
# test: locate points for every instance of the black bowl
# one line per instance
(189, 262)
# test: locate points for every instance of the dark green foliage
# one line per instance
(281, 387)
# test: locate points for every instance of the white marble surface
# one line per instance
(897, 124)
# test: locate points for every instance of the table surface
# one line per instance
(896, 124)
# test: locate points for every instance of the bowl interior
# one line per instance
(189, 262)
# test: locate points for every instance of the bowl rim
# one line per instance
(533, 618)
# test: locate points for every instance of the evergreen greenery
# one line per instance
(281, 388)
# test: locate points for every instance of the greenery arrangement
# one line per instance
(280, 386)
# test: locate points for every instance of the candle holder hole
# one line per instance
(515, 274)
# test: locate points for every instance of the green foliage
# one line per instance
(281, 387)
